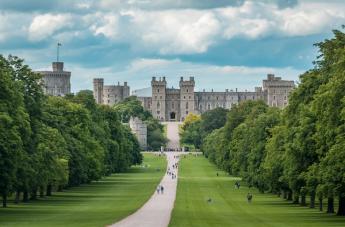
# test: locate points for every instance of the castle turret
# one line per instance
(158, 97)
(98, 84)
(187, 103)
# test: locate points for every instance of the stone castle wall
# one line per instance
(56, 82)
(109, 94)
(167, 104)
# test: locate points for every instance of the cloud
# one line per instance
(45, 25)
(190, 31)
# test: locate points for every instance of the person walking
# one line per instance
(162, 189)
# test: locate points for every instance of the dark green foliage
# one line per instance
(194, 132)
(131, 107)
(48, 143)
(299, 151)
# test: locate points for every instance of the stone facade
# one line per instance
(169, 104)
(109, 94)
(56, 82)
(139, 129)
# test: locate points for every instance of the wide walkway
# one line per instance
(173, 134)
(156, 212)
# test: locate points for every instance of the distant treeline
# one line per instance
(297, 152)
(50, 143)
(131, 107)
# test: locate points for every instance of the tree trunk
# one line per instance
(303, 202)
(312, 200)
(330, 206)
(33, 194)
(341, 208)
(49, 190)
(289, 197)
(17, 197)
(4, 200)
(321, 204)
(60, 187)
(41, 191)
(295, 199)
(284, 195)
(25, 196)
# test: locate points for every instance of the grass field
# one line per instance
(198, 182)
(97, 204)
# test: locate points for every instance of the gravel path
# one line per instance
(157, 211)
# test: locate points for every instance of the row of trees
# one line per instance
(49, 143)
(131, 107)
(295, 152)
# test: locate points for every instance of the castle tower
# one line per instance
(158, 98)
(277, 90)
(186, 97)
(56, 82)
(98, 84)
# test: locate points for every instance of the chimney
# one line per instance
(181, 79)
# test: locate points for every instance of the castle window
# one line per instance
(208, 106)
(186, 105)
(173, 105)
(158, 105)
(161, 97)
(186, 112)
(284, 97)
(217, 97)
(189, 97)
(187, 90)
(157, 90)
(200, 107)
(274, 97)
(184, 97)
(158, 112)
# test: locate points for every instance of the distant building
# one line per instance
(169, 104)
(139, 128)
(56, 82)
(109, 94)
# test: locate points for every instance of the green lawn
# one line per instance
(97, 204)
(198, 182)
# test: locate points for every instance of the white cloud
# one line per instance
(9, 27)
(186, 31)
(108, 26)
(45, 25)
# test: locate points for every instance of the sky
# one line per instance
(224, 44)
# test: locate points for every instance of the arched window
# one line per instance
(158, 105)
(208, 106)
(186, 105)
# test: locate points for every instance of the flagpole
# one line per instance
(57, 51)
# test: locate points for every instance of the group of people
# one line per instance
(160, 189)
(170, 172)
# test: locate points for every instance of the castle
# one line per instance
(109, 94)
(170, 104)
(56, 82)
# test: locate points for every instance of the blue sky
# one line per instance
(223, 44)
